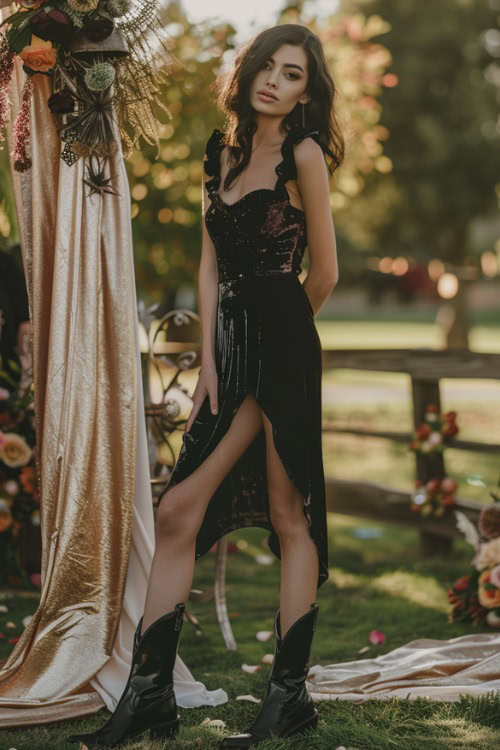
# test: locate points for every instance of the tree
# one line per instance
(444, 136)
(166, 193)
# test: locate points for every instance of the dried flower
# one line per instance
(31, 4)
(15, 451)
(53, 25)
(98, 29)
(22, 162)
(6, 70)
(61, 102)
(83, 6)
(99, 76)
(118, 8)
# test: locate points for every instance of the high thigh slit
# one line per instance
(266, 345)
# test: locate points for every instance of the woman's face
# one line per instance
(281, 82)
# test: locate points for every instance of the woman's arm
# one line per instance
(312, 181)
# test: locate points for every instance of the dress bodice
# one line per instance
(261, 234)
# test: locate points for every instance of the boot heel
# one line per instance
(164, 731)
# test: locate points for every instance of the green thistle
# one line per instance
(99, 77)
(118, 8)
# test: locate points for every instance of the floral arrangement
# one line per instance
(19, 496)
(434, 431)
(105, 58)
(434, 497)
(475, 597)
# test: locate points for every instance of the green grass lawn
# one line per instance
(375, 583)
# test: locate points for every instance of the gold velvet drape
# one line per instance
(79, 269)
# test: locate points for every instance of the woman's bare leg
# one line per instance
(299, 553)
(181, 514)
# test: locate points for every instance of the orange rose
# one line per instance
(39, 56)
(489, 598)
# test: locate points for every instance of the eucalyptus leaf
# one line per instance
(19, 38)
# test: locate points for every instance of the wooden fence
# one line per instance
(425, 367)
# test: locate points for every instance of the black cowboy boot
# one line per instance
(148, 701)
(287, 708)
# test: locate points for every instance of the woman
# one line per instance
(251, 453)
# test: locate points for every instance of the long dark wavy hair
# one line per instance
(233, 97)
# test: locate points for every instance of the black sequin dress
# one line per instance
(267, 345)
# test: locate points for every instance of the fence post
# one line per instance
(429, 465)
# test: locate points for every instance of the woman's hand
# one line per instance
(206, 385)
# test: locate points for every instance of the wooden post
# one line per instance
(429, 465)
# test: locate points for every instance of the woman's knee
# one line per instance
(287, 516)
(174, 518)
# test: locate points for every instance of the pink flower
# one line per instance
(376, 637)
(4, 394)
(495, 576)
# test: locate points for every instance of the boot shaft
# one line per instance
(292, 652)
(155, 651)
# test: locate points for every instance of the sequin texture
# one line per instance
(266, 344)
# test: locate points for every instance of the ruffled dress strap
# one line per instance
(287, 169)
(211, 164)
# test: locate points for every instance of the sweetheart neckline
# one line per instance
(278, 171)
(257, 190)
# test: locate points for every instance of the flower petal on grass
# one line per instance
(376, 636)
(264, 635)
(250, 669)
(213, 723)
(27, 620)
(364, 650)
(248, 698)
(3, 608)
(267, 659)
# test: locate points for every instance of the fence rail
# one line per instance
(426, 367)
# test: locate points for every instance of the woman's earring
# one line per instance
(303, 115)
